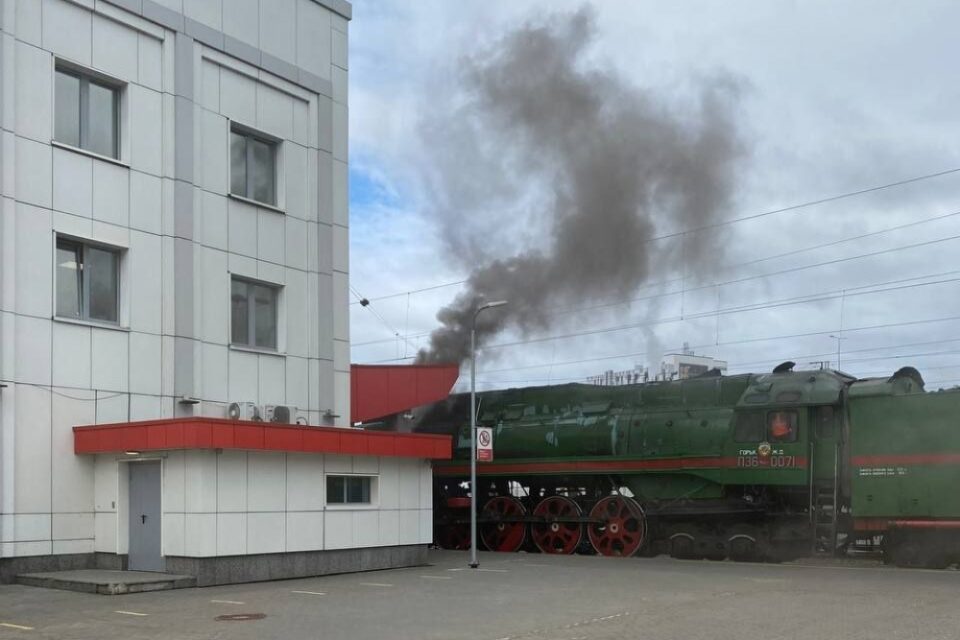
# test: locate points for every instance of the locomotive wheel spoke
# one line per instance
(501, 535)
(621, 529)
(552, 535)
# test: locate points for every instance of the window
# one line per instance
(87, 113)
(88, 281)
(748, 427)
(349, 489)
(253, 314)
(825, 422)
(782, 426)
(253, 166)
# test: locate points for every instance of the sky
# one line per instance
(826, 99)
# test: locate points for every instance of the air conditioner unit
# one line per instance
(245, 411)
(284, 414)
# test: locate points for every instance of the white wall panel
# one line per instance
(34, 87)
(313, 38)
(72, 526)
(304, 531)
(28, 20)
(144, 407)
(242, 21)
(231, 534)
(111, 353)
(72, 476)
(297, 382)
(112, 407)
(267, 481)
(34, 260)
(409, 526)
(409, 483)
(72, 546)
(232, 481)
(238, 97)
(150, 62)
(212, 168)
(111, 193)
(200, 534)
(213, 220)
(389, 527)
(67, 30)
(173, 541)
(145, 201)
(274, 111)
(215, 296)
(273, 374)
(243, 228)
(34, 173)
(389, 483)
(278, 29)
(145, 363)
(31, 527)
(174, 479)
(105, 532)
(209, 12)
(296, 166)
(338, 530)
(266, 532)
(271, 237)
(305, 489)
(200, 480)
(216, 373)
(72, 182)
(298, 315)
(366, 528)
(115, 49)
(146, 131)
(32, 450)
(145, 286)
(244, 376)
(33, 350)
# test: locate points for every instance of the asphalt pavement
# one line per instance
(522, 597)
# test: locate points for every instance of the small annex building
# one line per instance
(175, 382)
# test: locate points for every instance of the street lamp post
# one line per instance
(473, 430)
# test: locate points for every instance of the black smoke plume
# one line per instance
(598, 166)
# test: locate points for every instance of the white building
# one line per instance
(174, 239)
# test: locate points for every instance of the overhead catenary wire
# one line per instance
(712, 285)
(737, 220)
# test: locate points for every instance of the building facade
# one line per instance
(174, 241)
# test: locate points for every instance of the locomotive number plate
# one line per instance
(772, 462)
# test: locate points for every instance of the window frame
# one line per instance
(275, 145)
(251, 332)
(85, 77)
(80, 246)
(372, 491)
(794, 420)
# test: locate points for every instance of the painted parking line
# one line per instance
(494, 570)
(226, 602)
(311, 593)
(375, 584)
(19, 627)
(437, 577)
(131, 613)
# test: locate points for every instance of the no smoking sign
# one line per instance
(484, 444)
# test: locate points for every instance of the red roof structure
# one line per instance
(382, 390)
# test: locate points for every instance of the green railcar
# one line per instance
(754, 466)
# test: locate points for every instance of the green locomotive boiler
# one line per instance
(750, 467)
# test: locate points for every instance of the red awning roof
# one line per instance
(382, 390)
(215, 433)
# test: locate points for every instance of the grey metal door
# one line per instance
(145, 554)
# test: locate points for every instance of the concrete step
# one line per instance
(108, 583)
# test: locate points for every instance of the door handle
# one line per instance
(143, 519)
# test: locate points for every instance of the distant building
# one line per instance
(673, 366)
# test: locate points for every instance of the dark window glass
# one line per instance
(253, 167)
(253, 314)
(102, 120)
(789, 396)
(748, 427)
(782, 426)
(88, 281)
(757, 398)
(67, 107)
(336, 489)
(86, 113)
(68, 279)
(238, 164)
(348, 490)
(825, 421)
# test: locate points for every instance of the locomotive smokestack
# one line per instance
(540, 135)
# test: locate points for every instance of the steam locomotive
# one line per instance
(753, 467)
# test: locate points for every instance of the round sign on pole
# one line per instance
(484, 444)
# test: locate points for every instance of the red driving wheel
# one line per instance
(556, 534)
(499, 533)
(619, 526)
